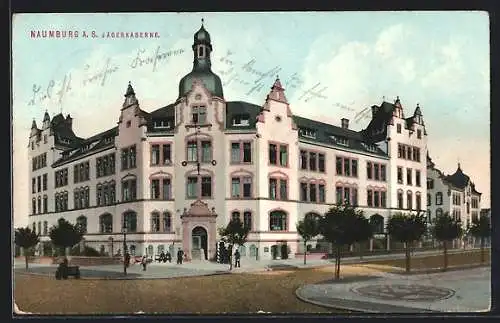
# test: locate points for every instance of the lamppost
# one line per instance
(124, 231)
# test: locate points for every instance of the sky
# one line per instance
(333, 65)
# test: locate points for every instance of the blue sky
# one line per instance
(437, 59)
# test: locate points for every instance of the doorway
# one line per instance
(199, 240)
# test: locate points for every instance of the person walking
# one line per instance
(237, 259)
(180, 255)
(144, 262)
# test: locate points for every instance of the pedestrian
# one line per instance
(168, 257)
(180, 255)
(237, 259)
(127, 259)
(144, 263)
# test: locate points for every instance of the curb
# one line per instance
(391, 308)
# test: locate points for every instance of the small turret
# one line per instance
(69, 121)
(277, 92)
(46, 121)
(130, 98)
(34, 129)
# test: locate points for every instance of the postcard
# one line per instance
(273, 162)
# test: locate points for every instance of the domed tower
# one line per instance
(202, 48)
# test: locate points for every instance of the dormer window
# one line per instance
(161, 124)
(371, 148)
(108, 140)
(199, 114)
(340, 140)
(308, 133)
(241, 120)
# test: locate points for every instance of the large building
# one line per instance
(455, 194)
(172, 176)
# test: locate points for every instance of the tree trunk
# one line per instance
(337, 264)
(482, 250)
(25, 257)
(407, 252)
(445, 254)
(305, 251)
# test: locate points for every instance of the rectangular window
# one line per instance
(44, 180)
(369, 198)
(155, 189)
(347, 195)
(273, 154)
(400, 200)
(376, 172)
(167, 154)
(303, 192)
(418, 201)
(273, 188)
(369, 170)
(417, 177)
(383, 173)
(321, 193)
(354, 196)
(312, 192)
(408, 176)
(312, 161)
(33, 185)
(419, 134)
(354, 168)
(39, 183)
(39, 207)
(376, 198)
(206, 186)
(247, 152)
(235, 187)
(321, 162)
(45, 204)
(338, 165)
(192, 187)
(303, 159)
(192, 150)
(400, 175)
(283, 156)
(247, 186)
(383, 199)
(33, 206)
(347, 167)
(338, 195)
(206, 151)
(398, 127)
(400, 151)
(155, 154)
(167, 188)
(235, 152)
(283, 189)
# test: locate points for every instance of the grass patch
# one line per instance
(234, 293)
(465, 258)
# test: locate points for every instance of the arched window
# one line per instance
(312, 215)
(429, 202)
(45, 228)
(160, 249)
(235, 215)
(155, 222)
(150, 250)
(81, 223)
(129, 221)
(247, 220)
(439, 212)
(377, 222)
(243, 250)
(167, 222)
(106, 223)
(439, 198)
(39, 227)
(278, 221)
(33, 206)
(34, 227)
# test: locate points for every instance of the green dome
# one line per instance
(201, 36)
(210, 80)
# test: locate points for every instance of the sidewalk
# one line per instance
(454, 291)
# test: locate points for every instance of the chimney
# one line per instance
(345, 123)
(374, 111)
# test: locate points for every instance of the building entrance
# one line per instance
(199, 241)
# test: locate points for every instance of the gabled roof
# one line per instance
(335, 136)
(379, 121)
(101, 141)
